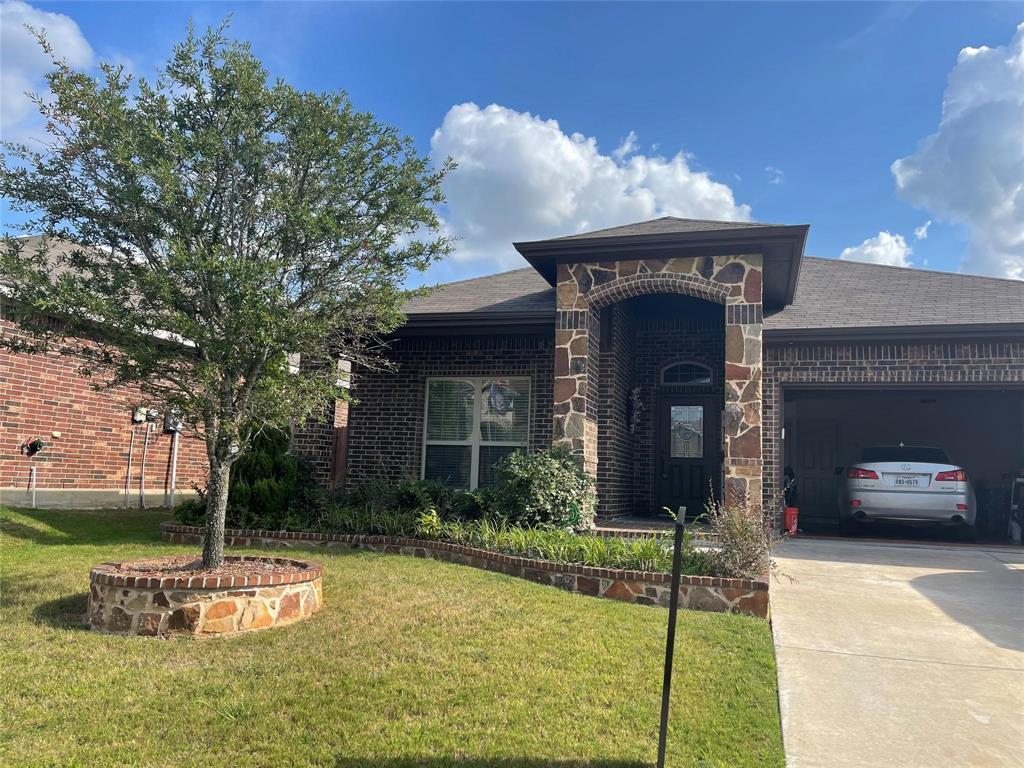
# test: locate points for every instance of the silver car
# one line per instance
(907, 483)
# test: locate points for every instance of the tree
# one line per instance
(221, 223)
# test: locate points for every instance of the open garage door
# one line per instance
(981, 430)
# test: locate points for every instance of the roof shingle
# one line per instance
(829, 294)
(667, 225)
(849, 294)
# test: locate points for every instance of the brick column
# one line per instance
(743, 362)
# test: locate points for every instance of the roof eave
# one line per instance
(478, 322)
(936, 332)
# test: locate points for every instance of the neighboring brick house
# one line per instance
(677, 355)
(87, 437)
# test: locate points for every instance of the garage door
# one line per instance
(981, 430)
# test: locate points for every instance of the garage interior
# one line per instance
(981, 430)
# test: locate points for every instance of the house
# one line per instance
(676, 356)
(97, 449)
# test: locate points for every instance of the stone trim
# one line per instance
(711, 593)
(106, 574)
(643, 284)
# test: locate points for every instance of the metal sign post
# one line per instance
(670, 643)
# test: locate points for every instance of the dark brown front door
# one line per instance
(688, 445)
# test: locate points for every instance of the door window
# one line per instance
(686, 430)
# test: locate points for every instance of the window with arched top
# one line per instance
(691, 374)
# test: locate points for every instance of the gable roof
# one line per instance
(781, 247)
(832, 297)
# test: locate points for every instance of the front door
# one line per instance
(689, 446)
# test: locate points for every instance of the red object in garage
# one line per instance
(789, 519)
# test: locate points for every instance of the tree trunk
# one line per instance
(216, 509)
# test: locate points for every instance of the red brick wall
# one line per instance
(42, 394)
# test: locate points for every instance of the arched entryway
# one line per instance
(716, 300)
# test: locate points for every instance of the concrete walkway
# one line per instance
(899, 655)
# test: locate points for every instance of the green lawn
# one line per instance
(410, 663)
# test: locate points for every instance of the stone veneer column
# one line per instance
(743, 363)
(577, 349)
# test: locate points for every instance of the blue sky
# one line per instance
(791, 112)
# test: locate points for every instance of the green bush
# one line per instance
(546, 488)
(372, 521)
(270, 489)
(560, 546)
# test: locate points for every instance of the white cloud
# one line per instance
(921, 233)
(971, 170)
(627, 147)
(521, 177)
(23, 63)
(883, 248)
(775, 176)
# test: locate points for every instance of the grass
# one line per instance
(411, 663)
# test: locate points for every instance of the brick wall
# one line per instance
(315, 440)
(895, 362)
(385, 427)
(87, 464)
(616, 444)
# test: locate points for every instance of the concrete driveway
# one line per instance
(900, 655)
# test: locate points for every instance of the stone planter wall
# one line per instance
(702, 593)
(201, 605)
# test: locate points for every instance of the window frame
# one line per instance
(475, 441)
(693, 363)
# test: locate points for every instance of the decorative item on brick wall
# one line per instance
(636, 409)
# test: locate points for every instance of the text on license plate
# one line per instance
(912, 481)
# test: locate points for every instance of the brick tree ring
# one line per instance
(169, 596)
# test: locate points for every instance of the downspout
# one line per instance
(128, 473)
(32, 484)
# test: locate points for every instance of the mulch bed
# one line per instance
(186, 566)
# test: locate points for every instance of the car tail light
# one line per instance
(961, 507)
(854, 502)
(956, 475)
(859, 473)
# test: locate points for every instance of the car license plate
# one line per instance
(907, 481)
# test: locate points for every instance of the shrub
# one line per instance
(560, 546)
(414, 496)
(547, 488)
(271, 489)
(372, 521)
(744, 537)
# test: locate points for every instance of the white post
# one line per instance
(32, 485)
(174, 467)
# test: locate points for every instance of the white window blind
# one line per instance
(471, 424)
